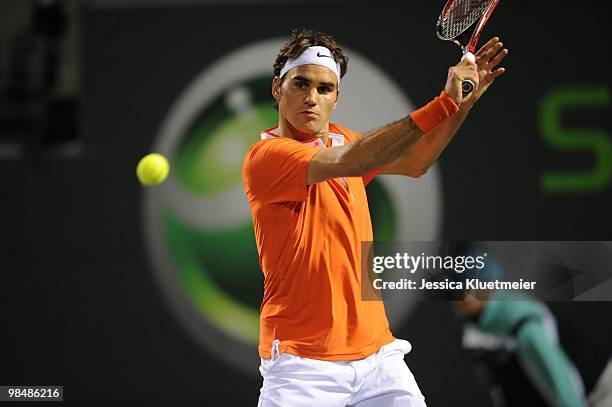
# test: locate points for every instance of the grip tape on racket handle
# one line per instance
(467, 86)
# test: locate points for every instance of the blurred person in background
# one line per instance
(526, 355)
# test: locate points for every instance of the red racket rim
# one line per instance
(473, 42)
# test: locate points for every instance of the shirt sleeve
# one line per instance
(552, 371)
(276, 170)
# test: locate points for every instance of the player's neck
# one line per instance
(285, 129)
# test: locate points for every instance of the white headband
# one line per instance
(314, 56)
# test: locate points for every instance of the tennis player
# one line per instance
(305, 180)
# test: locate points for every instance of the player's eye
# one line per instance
(301, 85)
(324, 89)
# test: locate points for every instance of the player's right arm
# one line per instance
(382, 146)
(365, 154)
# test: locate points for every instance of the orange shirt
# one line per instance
(309, 242)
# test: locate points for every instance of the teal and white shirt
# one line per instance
(517, 342)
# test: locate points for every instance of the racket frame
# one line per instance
(470, 48)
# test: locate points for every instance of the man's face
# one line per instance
(307, 97)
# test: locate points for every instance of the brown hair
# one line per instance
(302, 39)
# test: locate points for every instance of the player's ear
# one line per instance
(276, 85)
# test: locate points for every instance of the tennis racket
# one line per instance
(462, 22)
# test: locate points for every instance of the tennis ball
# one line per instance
(152, 169)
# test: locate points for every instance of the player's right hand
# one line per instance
(465, 69)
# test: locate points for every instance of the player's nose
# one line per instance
(311, 97)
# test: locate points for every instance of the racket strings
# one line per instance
(459, 16)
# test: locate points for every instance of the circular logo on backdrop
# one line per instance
(198, 227)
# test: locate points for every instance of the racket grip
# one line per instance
(467, 86)
(469, 56)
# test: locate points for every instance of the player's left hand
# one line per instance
(487, 58)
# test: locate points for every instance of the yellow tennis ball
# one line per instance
(152, 169)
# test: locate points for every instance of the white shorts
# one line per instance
(381, 379)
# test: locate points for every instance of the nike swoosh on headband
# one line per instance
(315, 55)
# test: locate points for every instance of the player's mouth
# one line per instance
(309, 114)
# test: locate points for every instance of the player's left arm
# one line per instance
(417, 159)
